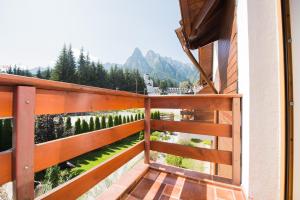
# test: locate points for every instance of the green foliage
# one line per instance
(156, 133)
(141, 135)
(116, 120)
(5, 134)
(120, 119)
(174, 160)
(54, 176)
(68, 125)
(186, 143)
(154, 138)
(207, 142)
(139, 116)
(59, 130)
(196, 140)
(143, 116)
(131, 118)
(92, 124)
(128, 119)
(152, 115)
(124, 119)
(18, 71)
(103, 122)
(110, 121)
(97, 123)
(78, 126)
(85, 127)
(135, 117)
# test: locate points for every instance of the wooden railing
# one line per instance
(204, 103)
(23, 98)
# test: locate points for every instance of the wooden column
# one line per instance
(216, 142)
(23, 142)
(236, 141)
(147, 130)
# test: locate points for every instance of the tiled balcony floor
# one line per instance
(156, 184)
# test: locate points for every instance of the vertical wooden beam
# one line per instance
(236, 141)
(23, 142)
(216, 142)
(147, 130)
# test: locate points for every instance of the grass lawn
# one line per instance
(94, 158)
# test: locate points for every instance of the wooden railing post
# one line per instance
(147, 129)
(236, 141)
(23, 142)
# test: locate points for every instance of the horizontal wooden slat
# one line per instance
(54, 152)
(85, 181)
(55, 102)
(211, 155)
(222, 130)
(5, 166)
(15, 80)
(202, 102)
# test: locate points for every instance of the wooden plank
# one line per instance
(192, 102)
(56, 102)
(64, 149)
(15, 80)
(232, 87)
(82, 183)
(222, 130)
(5, 166)
(147, 130)
(23, 142)
(210, 155)
(236, 141)
(6, 99)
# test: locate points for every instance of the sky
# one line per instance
(34, 31)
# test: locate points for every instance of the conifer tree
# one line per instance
(103, 122)
(116, 120)
(78, 126)
(7, 134)
(128, 119)
(59, 127)
(152, 115)
(135, 117)
(110, 121)
(124, 120)
(139, 116)
(68, 125)
(120, 120)
(97, 123)
(39, 73)
(1, 136)
(131, 118)
(92, 124)
(143, 116)
(85, 126)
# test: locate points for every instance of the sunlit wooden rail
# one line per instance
(23, 98)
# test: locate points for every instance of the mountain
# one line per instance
(161, 67)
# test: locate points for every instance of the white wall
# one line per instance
(259, 81)
(295, 27)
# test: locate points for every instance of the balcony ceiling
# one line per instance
(201, 21)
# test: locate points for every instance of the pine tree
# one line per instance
(152, 115)
(59, 128)
(120, 120)
(110, 121)
(124, 119)
(103, 122)
(92, 124)
(128, 119)
(97, 123)
(143, 116)
(131, 118)
(39, 73)
(78, 126)
(85, 126)
(68, 125)
(116, 120)
(47, 73)
(135, 117)
(158, 114)
(139, 116)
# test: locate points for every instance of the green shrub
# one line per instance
(174, 160)
(154, 138)
(110, 121)
(124, 120)
(85, 127)
(135, 117)
(97, 123)
(131, 118)
(103, 122)
(68, 125)
(207, 142)
(139, 116)
(196, 140)
(128, 120)
(156, 133)
(143, 116)
(120, 119)
(78, 126)
(92, 124)
(116, 120)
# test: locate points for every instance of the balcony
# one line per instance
(24, 98)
